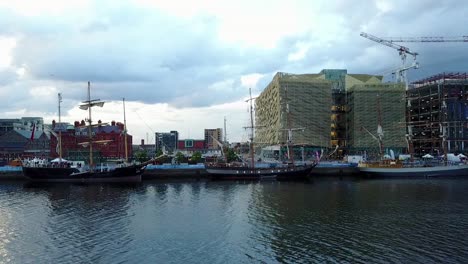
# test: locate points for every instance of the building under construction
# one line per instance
(371, 106)
(438, 113)
(300, 102)
(319, 108)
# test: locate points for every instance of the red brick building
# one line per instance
(191, 145)
(72, 135)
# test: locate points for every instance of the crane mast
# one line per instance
(402, 51)
(427, 39)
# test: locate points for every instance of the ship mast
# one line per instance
(251, 129)
(87, 106)
(90, 135)
(380, 133)
(443, 129)
(289, 144)
(409, 128)
(125, 132)
(60, 129)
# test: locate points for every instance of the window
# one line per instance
(189, 143)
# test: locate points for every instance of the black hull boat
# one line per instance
(232, 172)
(61, 170)
(130, 173)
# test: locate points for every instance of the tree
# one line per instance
(231, 155)
(141, 155)
(196, 157)
(159, 153)
(179, 157)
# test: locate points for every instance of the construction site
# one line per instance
(329, 111)
(341, 114)
(438, 114)
(376, 119)
(296, 105)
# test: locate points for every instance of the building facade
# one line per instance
(321, 114)
(74, 136)
(300, 102)
(438, 114)
(24, 123)
(371, 106)
(217, 134)
(24, 144)
(166, 142)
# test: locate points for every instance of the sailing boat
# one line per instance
(246, 171)
(393, 168)
(64, 172)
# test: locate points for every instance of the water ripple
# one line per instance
(236, 222)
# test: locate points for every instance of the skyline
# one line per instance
(186, 67)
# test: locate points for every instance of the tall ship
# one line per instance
(61, 170)
(395, 169)
(250, 170)
(390, 167)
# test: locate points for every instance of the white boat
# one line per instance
(395, 169)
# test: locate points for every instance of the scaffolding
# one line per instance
(438, 109)
(308, 97)
(371, 105)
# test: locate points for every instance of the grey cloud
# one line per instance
(149, 56)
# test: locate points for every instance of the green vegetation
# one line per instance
(231, 155)
(141, 155)
(196, 157)
(179, 157)
(159, 153)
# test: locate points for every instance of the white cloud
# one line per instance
(6, 47)
(185, 65)
(251, 80)
(47, 7)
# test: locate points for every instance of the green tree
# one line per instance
(159, 153)
(196, 157)
(231, 155)
(179, 157)
(141, 155)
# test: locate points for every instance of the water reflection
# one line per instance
(364, 222)
(84, 223)
(208, 222)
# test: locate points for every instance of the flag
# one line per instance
(32, 133)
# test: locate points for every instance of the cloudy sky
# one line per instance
(185, 65)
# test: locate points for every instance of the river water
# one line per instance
(367, 221)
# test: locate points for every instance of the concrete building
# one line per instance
(24, 144)
(438, 110)
(216, 133)
(23, 123)
(166, 142)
